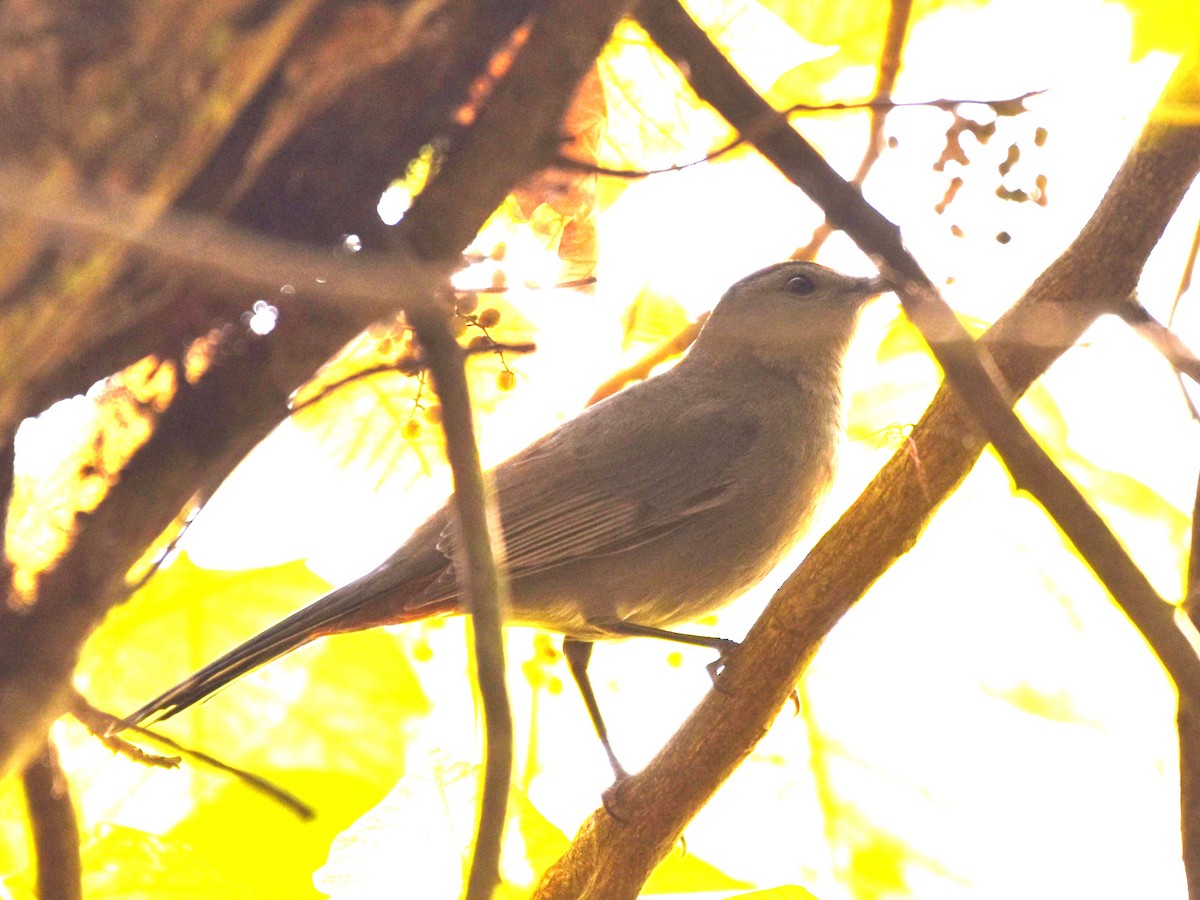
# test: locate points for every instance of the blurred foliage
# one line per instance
(321, 725)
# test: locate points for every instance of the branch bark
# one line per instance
(612, 859)
(1187, 722)
(55, 829)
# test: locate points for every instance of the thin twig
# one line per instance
(118, 746)
(486, 592)
(564, 40)
(104, 726)
(897, 28)
(405, 366)
(879, 104)
(570, 284)
(54, 825)
(885, 82)
(1185, 282)
(1161, 338)
(641, 369)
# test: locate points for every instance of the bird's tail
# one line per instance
(350, 608)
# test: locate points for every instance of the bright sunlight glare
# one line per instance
(262, 317)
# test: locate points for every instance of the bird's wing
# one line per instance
(591, 490)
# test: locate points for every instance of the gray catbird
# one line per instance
(650, 509)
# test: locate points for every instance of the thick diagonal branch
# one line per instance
(612, 860)
(969, 372)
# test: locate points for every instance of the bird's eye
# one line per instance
(800, 285)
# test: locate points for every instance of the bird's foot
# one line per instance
(726, 648)
(611, 798)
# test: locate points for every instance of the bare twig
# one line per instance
(1185, 282)
(564, 41)
(120, 747)
(505, 288)
(885, 82)
(487, 595)
(404, 366)
(641, 369)
(104, 726)
(1160, 337)
(877, 105)
(55, 829)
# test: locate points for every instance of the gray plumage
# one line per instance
(650, 509)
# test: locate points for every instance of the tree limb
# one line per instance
(641, 369)
(1187, 721)
(972, 373)
(55, 829)
(237, 263)
(1161, 338)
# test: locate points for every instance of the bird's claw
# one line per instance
(726, 648)
(611, 798)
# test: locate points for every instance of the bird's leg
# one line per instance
(578, 653)
(723, 646)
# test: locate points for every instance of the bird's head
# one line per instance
(789, 314)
